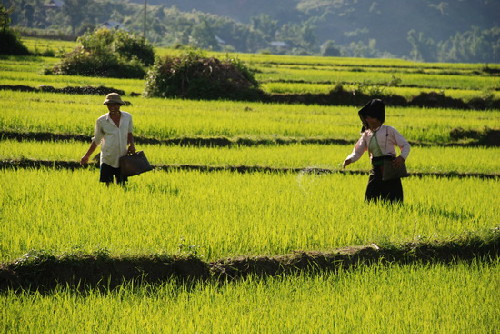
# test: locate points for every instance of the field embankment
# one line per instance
(72, 165)
(43, 271)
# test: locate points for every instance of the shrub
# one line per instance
(80, 62)
(192, 75)
(130, 46)
(107, 53)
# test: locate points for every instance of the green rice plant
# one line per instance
(293, 88)
(228, 214)
(435, 159)
(377, 78)
(344, 61)
(170, 118)
(37, 78)
(35, 45)
(407, 92)
(331, 71)
(439, 298)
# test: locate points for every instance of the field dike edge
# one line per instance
(460, 137)
(337, 96)
(242, 169)
(41, 271)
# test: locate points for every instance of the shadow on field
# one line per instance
(337, 96)
(39, 271)
(242, 169)
(460, 137)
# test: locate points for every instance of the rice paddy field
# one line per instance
(223, 214)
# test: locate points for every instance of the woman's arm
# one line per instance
(402, 143)
(357, 152)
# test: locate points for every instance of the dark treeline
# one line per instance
(421, 30)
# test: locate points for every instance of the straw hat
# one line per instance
(113, 98)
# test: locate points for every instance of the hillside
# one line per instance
(463, 31)
(384, 24)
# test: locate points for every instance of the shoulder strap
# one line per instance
(386, 135)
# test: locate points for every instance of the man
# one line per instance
(114, 132)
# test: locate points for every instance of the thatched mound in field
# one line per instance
(191, 75)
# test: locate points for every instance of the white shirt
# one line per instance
(387, 136)
(113, 138)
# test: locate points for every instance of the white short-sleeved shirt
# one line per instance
(112, 138)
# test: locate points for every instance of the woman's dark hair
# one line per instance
(376, 109)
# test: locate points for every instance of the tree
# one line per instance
(265, 24)
(78, 11)
(9, 40)
(29, 14)
(423, 48)
(5, 17)
(330, 50)
(203, 35)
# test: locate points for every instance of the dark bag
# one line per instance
(391, 173)
(134, 164)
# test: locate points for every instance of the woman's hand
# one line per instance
(346, 162)
(84, 160)
(398, 162)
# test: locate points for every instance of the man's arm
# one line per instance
(86, 157)
(130, 142)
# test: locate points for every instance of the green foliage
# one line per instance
(107, 53)
(129, 46)
(193, 75)
(330, 50)
(11, 45)
(80, 62)
(134, 46)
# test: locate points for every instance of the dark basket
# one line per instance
(134, 164)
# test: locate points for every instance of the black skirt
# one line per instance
(376, 189)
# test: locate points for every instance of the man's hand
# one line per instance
(131, 149)
(398, 162)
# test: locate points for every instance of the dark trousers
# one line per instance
(377, 189)
(108, 173)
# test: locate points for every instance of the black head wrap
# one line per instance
(376, 109)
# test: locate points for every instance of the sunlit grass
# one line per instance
(407, 92)
(227, 214)
(461, 298)
(169, 118)
(350, 77)
(437, 159)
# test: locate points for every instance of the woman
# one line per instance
(380, 141)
